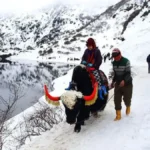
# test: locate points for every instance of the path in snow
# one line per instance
(131, 133)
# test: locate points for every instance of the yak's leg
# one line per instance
(77, 127)
(86, 112)
(80, 120)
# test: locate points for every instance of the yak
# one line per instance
(82, 98)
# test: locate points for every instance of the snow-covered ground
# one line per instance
(130, 133)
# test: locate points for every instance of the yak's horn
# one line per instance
(89, 100)
(51, 99)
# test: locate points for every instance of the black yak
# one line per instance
(82, 99)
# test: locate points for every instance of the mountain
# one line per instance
(123, 25)
(60, 32)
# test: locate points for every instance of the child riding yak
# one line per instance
(92, 55)
(92, 59)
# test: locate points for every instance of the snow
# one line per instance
(18, 120)
(23, 7)
(19, 30)
(132, 132)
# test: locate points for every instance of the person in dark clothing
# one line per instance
(108, 55)
(92, 59)
(105, 58)
(122, 82)
(148, 61)
(92, 55)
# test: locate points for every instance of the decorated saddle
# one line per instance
(96, 76)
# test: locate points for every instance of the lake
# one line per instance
(25, 80)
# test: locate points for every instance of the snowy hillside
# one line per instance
(61, 31)
(29, 76)
(45, 32)
(130, 133)
(123, 25)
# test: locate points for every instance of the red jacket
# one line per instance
(93, 56)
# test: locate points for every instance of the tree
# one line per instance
(14, 134)
(5, 113)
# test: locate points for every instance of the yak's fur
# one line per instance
(79, 113)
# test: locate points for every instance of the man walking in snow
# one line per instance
(122, 82)
(148, 61)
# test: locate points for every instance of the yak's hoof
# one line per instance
(77, 128)
(87, 117)
(82, 123)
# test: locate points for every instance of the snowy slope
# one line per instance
(44, 32)
(59, 32)
(29, 76)
(132, 132)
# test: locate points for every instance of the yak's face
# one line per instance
(73, 102)
(71, 114)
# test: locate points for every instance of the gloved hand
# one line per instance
(84, 62)
(89, 65)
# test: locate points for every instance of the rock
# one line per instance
(30, 48)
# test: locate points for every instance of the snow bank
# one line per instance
(132, 132)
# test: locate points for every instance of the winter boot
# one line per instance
(118, 115)
(69, 87)
(128, 110)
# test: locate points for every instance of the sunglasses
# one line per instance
(115, 54)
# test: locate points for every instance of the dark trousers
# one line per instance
(149, 67)
(122, 92)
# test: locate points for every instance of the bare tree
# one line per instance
(42, 120)
(14, 134)
(5, 113)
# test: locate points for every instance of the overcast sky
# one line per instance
(31, 5)
(22, 5)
